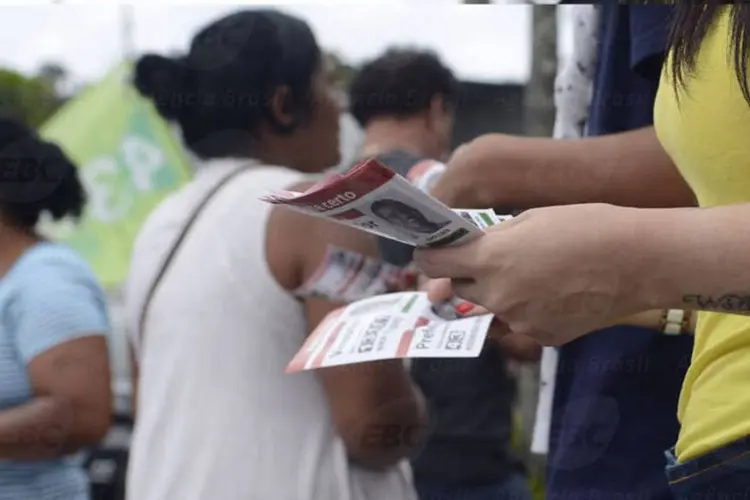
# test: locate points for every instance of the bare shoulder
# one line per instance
(296, 243)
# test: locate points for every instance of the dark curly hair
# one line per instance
(400, 83)
(35, 177)
(220, 90)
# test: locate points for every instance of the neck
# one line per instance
(13, 243)
(277, 156)
(388, 134)
(268, 149)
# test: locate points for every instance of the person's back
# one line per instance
(220, 333)
(216, 415)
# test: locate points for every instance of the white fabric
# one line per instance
(218, 419)
(573, 92)
(574, 81)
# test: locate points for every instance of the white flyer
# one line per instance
(483, 219)
(373, 198)
(391, 326)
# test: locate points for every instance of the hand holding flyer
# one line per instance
(392, 326)
(345, 276)
(373, 198)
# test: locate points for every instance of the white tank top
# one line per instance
(218, 419)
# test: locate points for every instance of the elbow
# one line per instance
(388, 437)
(520, 348)
(95, 420)
(90, 424)
(93, 430)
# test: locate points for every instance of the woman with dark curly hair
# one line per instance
(55, 394)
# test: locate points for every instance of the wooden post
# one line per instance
(539, 114)
(539, 121)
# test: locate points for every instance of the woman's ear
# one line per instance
(436, 112)
(282, 106)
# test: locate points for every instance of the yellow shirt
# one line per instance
(707, 134)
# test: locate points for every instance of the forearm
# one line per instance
(628, 169)
(394, 433)
(519, 348)
(38, 430)
(697, 258)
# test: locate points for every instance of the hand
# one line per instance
(553, 274)
(423, 283)
(465, 183)
(515, 346)
(441, 290)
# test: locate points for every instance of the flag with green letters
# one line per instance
(128, 159)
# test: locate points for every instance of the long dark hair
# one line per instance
(691, 25)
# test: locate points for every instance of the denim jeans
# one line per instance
(722, 474)
(514, 487)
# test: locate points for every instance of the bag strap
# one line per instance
(173, 251)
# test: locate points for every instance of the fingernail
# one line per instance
(445, 310)
(464, 308)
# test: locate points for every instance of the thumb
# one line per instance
(439, 290)
(459, 151)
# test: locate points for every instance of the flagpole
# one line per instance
(127, 25)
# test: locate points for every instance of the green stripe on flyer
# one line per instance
(487, 219)
(409, 304)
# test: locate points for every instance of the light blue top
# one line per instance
(48, 297)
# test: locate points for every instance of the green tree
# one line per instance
(53, 74)
(29, 99)
(344, 72)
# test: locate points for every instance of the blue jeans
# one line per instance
(722, 474)
(514, 487)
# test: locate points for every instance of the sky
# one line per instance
(480, 43)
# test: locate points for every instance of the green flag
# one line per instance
(128, 159)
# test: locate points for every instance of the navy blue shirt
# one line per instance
(616, 392)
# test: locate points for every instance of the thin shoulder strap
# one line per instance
(176, 246)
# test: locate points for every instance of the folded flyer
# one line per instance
(391, 326)
(373, 198)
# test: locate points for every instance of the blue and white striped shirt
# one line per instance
(48, 297)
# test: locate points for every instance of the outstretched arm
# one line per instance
(698, 258)
(628, 169)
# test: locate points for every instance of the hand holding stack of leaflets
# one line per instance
(373, 198)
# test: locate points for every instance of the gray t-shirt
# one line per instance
(470, 399)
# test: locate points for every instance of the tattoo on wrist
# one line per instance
(733, 303)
